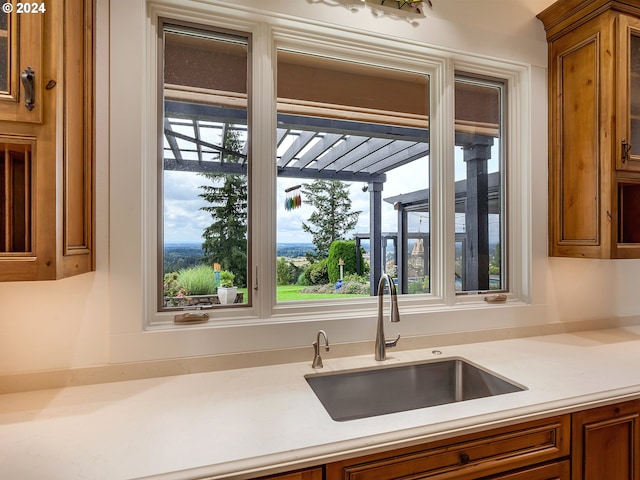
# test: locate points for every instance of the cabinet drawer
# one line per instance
(466, 457)
(308, 474)
(552, 471)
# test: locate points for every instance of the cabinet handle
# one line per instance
(28, 78)
(464, 459)
(626, 148)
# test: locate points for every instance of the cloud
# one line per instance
(184, 221)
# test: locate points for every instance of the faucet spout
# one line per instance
(317, 359)
(394, 316)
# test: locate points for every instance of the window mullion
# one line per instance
(263, 189)
(443, 185)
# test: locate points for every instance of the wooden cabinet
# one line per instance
(606, 443)
(519, 447)
(46, 142)
(551, 471)
(594, 444)
(594, 128)
(308, 474)
(21, 38)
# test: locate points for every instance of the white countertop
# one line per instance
(253, 421)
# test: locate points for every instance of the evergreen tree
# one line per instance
(225, 240)
(332, 218)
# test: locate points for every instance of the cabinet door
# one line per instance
(554, 471)
(579, 76)
(605, 443)
(21, 38)
(628, 200)
(628, 94)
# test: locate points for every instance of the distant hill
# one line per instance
(184, 255)
(181, 255)
(294, 250)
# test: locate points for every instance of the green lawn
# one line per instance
(288, 293)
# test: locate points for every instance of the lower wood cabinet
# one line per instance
(601, 443)
(552, 471)
(308, 474)
(467, 457)
(606, 443)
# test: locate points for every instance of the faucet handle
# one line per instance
(392, 343)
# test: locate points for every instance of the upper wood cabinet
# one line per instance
(594, 128)
(46, 142)
(21, 37)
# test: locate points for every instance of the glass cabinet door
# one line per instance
(7, 30)
(628, 160)
(633, 147)
(628, 157)
(21, 75)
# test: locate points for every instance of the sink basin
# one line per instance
(355, 394)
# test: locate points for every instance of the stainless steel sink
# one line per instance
(366, 393)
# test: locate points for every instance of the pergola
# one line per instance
(481, 199)
(195, 135)
(317, 148)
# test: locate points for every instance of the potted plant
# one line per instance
(226, 290)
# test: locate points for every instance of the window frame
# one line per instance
(140, 332)
(474, 78)
(195, 28)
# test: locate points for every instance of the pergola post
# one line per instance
(401, 258)
(375, 229)
(477, 152)
(358, 250)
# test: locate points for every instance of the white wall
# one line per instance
(66, 324)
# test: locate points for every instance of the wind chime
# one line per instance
(414, 4)
(293, 200)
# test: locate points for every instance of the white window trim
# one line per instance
(140, 333)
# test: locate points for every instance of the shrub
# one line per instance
(347, 251)
(302, 279)
(347, 287)
(419, 286)
(171, 287)
(354, 277)
(199, 280)
(316, 273)
(355, 288)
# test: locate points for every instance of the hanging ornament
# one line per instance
(293, 200)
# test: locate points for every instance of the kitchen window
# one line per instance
(355, 158)
(352, 171)
(352, 167)
(156, 121)
(205, 171)
(479, 184)
(353, 178)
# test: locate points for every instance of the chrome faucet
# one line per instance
(317, 359)
(394, 316)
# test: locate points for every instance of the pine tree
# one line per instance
(225, 240)
(332, 218)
